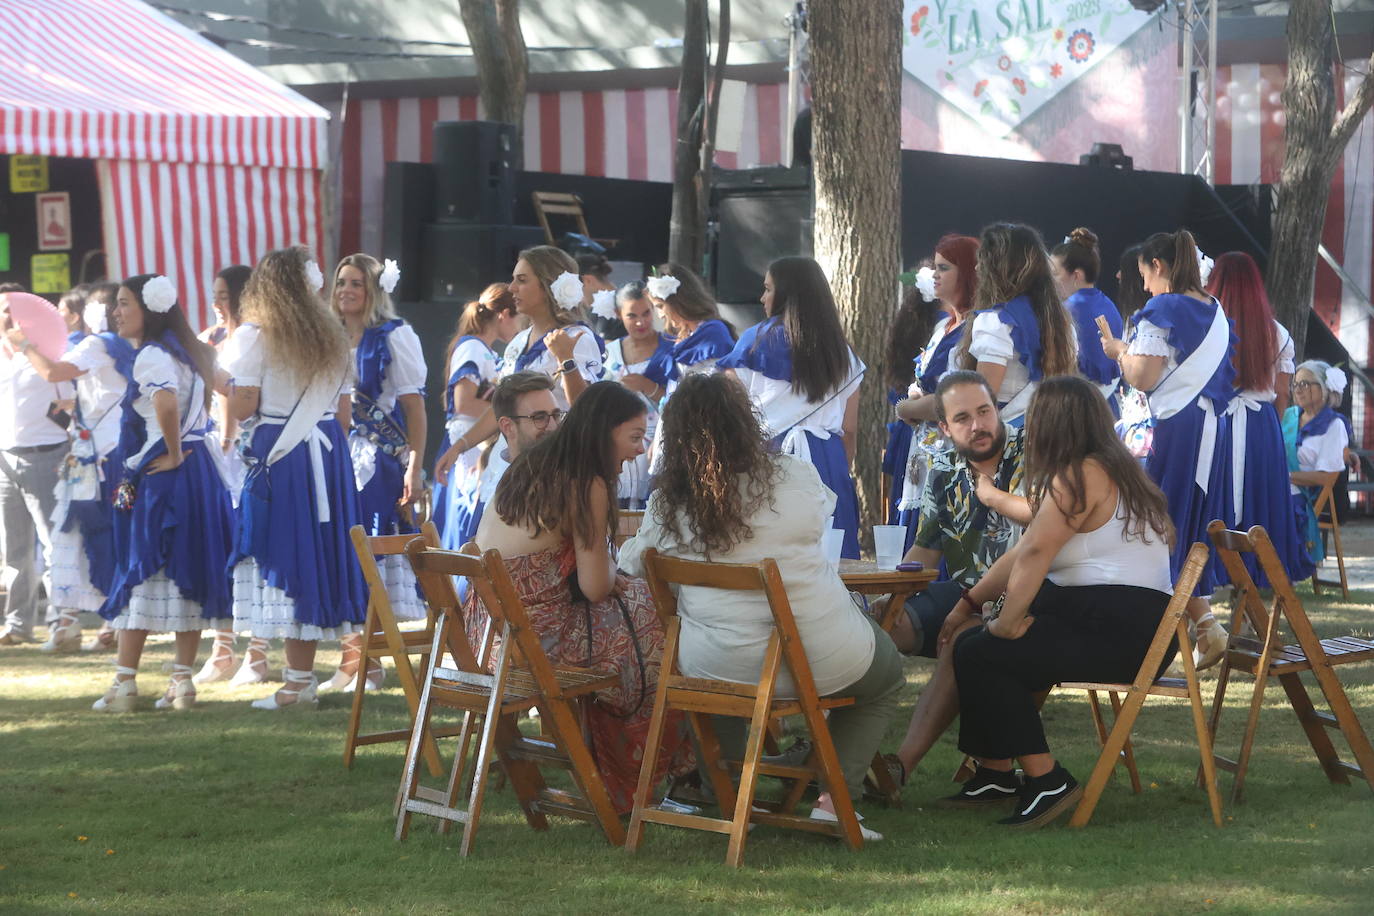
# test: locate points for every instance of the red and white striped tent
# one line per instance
(202, 160)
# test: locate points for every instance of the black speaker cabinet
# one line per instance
(408, 205)
(755, 229)
(460, 260)
(476, 180)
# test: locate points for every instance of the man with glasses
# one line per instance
(526, 412)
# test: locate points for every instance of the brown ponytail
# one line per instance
(1179, 251)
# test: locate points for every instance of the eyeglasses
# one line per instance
(541, 418)
(1305, 384)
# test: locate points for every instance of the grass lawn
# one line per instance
(226, 809)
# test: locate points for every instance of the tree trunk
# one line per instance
(708, 139)
(686, 227)
(1316, 137)
(503, 65)
(856, 85)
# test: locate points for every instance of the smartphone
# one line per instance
(1104, 329)
(912, 566)
(59, 416)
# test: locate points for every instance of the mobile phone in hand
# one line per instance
(59, 416)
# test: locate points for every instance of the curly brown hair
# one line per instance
(296, 325)
(710, 437)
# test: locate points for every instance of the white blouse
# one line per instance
(585, 352)
(99, 391)
(406, 374)
(156, 370)
(724, 634)
(991, 343)
(244, 357)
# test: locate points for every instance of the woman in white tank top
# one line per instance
(1084, 591)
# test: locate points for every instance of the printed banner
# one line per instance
(999, 60)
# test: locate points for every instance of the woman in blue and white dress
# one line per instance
(387, 435)
(692, 320)
(643, 362)
(295, 575)
(1315, 438)
(472, 371)
(804, 379)
(173, 521)
(1264, 367)
(82, 561)
(1179, 358)
(1075, 264)
(1021, 332)
(546, 290)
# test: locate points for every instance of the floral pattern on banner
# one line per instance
(998, 61)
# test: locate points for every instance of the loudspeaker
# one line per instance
(460, 260)
(476, 181)
(754, 230)
(408, 205)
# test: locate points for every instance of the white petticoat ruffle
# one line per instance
(157, 605)
(1149, 345)
(267, 612)
(399, 579)
(71, 573)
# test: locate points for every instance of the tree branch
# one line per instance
(1348, 121)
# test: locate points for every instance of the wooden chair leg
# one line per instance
(1127, 752)
(652, 743)
(410, 776)
(1340, 554)
(749, 771)
(569, 732)
(355, 714)
(1214, 720)
(1204, 741)
(1347, 721)
(709, 745)
(884, 783)
(486, 749)
(1312, 726)
(1107, 759)
(1247, 741)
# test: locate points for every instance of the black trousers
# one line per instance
(1087, 633)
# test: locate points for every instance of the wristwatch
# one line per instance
(568, 365)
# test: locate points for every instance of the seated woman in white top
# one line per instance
(1315, 437)
(722, 496)
(1084, 592)
(1021, 333)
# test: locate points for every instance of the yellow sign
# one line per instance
(28, 173)
(52, 273)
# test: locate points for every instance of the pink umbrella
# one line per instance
(40, 322)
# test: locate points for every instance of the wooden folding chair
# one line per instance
(1173, 625)
(628, 527)
(701, 698)
(560, 203)
(506, 675)
(385, 639)
(1267, 657)
(1324, 508)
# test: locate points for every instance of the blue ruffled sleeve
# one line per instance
(762, 348)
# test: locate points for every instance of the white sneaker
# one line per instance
(870, 836)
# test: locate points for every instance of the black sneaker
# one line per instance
(1044, 798)
(985, 788)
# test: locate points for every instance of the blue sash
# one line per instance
(939, 360)
(1085, 306)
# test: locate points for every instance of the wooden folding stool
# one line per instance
(1325, 504)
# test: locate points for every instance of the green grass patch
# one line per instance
(227, 809)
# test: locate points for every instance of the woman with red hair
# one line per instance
(956, 258)
(1264, 367)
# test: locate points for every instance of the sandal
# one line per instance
(65, 636)
(253, 670)
(300, 688)
(221, 660)
(122, 695)
(181, 691)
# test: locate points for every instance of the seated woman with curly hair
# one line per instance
(722, 496)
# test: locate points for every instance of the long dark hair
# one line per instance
(548, 487)
(1237, 284)
(1012, 261)
(693, 300)
(1179, 252)
(1067, 423)
(155, 324)
(235, 278)
(911, 329)
(802, 301)
(1130, 292)
(717, 470)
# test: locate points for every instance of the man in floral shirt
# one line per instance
(971, 514)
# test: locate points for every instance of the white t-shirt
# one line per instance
(99, 391)
(244, 357)
(1325, 452)
(724, 634)
(24, 402)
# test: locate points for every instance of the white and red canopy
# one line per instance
(203, 161)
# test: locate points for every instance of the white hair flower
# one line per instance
(925, 282)
(1335, 380)
(95, 316)
(159, 295)
(662, 287)
(603, 303)
(1204, 266)
(314, 278)
(567, 290)
(391, 275)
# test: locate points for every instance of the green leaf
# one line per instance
(908, 278)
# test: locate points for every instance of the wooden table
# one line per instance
(868, 579)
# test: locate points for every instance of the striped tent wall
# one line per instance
(615, 133)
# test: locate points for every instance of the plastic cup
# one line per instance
(888, 541)
(833, 543)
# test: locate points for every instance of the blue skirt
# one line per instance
(899, 434)
(182, 525)
(94, 518)
(279, 529)
(439, 492)
(1172, 465)
(832, 464)
(381, 495)
(1265, 499)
